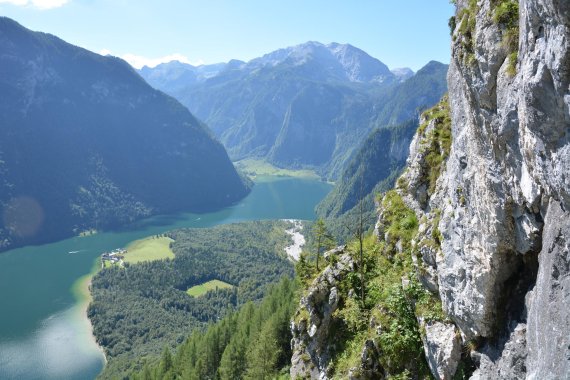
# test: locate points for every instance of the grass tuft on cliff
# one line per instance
(437, 142)
(506, 16)
(394, 300)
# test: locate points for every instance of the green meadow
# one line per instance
(259, 168)
(200, 290)
(149, 249)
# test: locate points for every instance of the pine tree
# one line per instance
(233, 363)
(263, 354)
(166, 363)
(322, 237)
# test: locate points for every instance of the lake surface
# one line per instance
(44, 332)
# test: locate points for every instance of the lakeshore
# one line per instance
(82, 293)
(48, 335)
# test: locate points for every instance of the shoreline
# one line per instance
(82, 294)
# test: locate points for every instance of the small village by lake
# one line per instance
(116, 256)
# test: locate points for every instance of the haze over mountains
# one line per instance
(86, 143)
(306, 106)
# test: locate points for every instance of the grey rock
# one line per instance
(369, 364)
(378, 229)
(335, 251)
(427, 268)
(311, 343)
(428, 278)
(512, 130)
(548, 331)
(442, 348)
(510, 158)
(506, 361)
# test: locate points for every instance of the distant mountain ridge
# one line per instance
(342, 62)
(178, 75)
(380, 158)
(305, 106)
(346, 63)
(86, 143)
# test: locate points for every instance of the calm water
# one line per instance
(44, 333)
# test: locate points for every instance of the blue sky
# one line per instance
(398, 32)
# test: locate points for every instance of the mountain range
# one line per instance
(86, 143)
(306, 106)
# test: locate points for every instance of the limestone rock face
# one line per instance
(493, 240)
(503, 198)
(442, 347)
(312, 334)
(510, 162)
(548, 330)
(504, 361)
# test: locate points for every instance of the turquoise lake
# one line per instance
(44, 332)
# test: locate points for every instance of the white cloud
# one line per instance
(48, 4)
(138, 61)
(105, 52)
(40, 4)
(15, 2)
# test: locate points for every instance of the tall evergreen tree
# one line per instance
(233, 363)
(322, 237)
(263, 354)
(166, 364)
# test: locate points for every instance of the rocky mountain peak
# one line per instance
(343, 61)
(358, 65)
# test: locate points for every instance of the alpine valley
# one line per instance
(322, 216)
(306, 106)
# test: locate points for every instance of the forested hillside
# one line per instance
(252, 343)
(85, 143)
(373, 170)
(140, 309)
(364, 311)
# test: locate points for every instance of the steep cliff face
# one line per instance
(488, 178)
(502, 202)
(505, 194)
